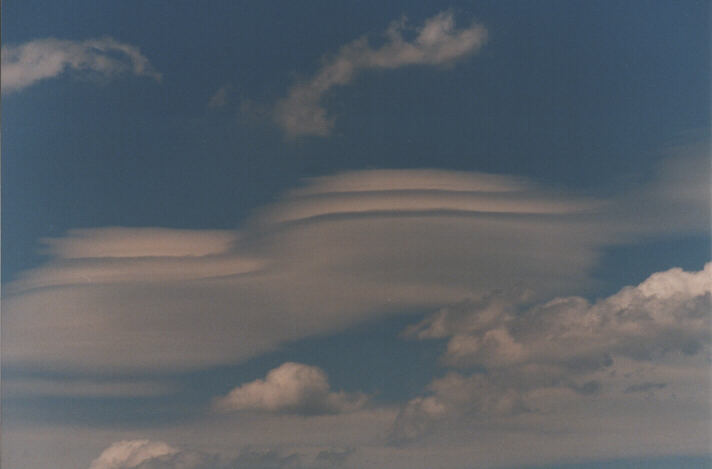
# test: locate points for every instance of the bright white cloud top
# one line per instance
(438, 42)
(26, 64)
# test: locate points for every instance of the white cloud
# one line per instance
(644, 339)
(290, 388)
(132, 454)
(25, 64)
(669, 312)
(437, 42)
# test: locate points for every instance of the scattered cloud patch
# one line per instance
(220, 98)
(290, 388)
(451, 397)
(26, 64)
(563, 349)
(438, 42)
(668, 312)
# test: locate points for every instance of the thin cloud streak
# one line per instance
(26, 64)
(438, 42)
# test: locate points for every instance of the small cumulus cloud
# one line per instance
(290, 388)
(438, 42)
(26, 64)
(128, 454)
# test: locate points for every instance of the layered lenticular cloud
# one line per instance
(438, 42)
(25, 64)
(335, 252)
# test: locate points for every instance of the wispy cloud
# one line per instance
(220, 98)
(438, 42)
(26, 64)
(290, 388)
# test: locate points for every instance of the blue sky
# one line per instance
(450, 230)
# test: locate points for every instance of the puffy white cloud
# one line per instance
(644, 339)
(26, 64)
(129, 454)
(668, 312)
(290, 388)
(437, 42)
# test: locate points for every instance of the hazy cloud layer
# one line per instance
(146, 454)
(26, 64)
(290, 388)
(437, 42)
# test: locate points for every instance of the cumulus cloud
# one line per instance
(290, 388)
(25, 64)
(437, 42)
(132, 453)
(147, 454)
(454, 396)
(563, 349)
(668, 312)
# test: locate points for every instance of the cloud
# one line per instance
(26, 64)
(668, 312)
(290, 388)
(546, 355)
(132, 454)
(146, 454)
(453, 396)
(438, 42)
(83, 387)
(220, 98)
(337, 251)
(318, 260)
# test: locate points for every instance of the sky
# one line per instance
(466, 234)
